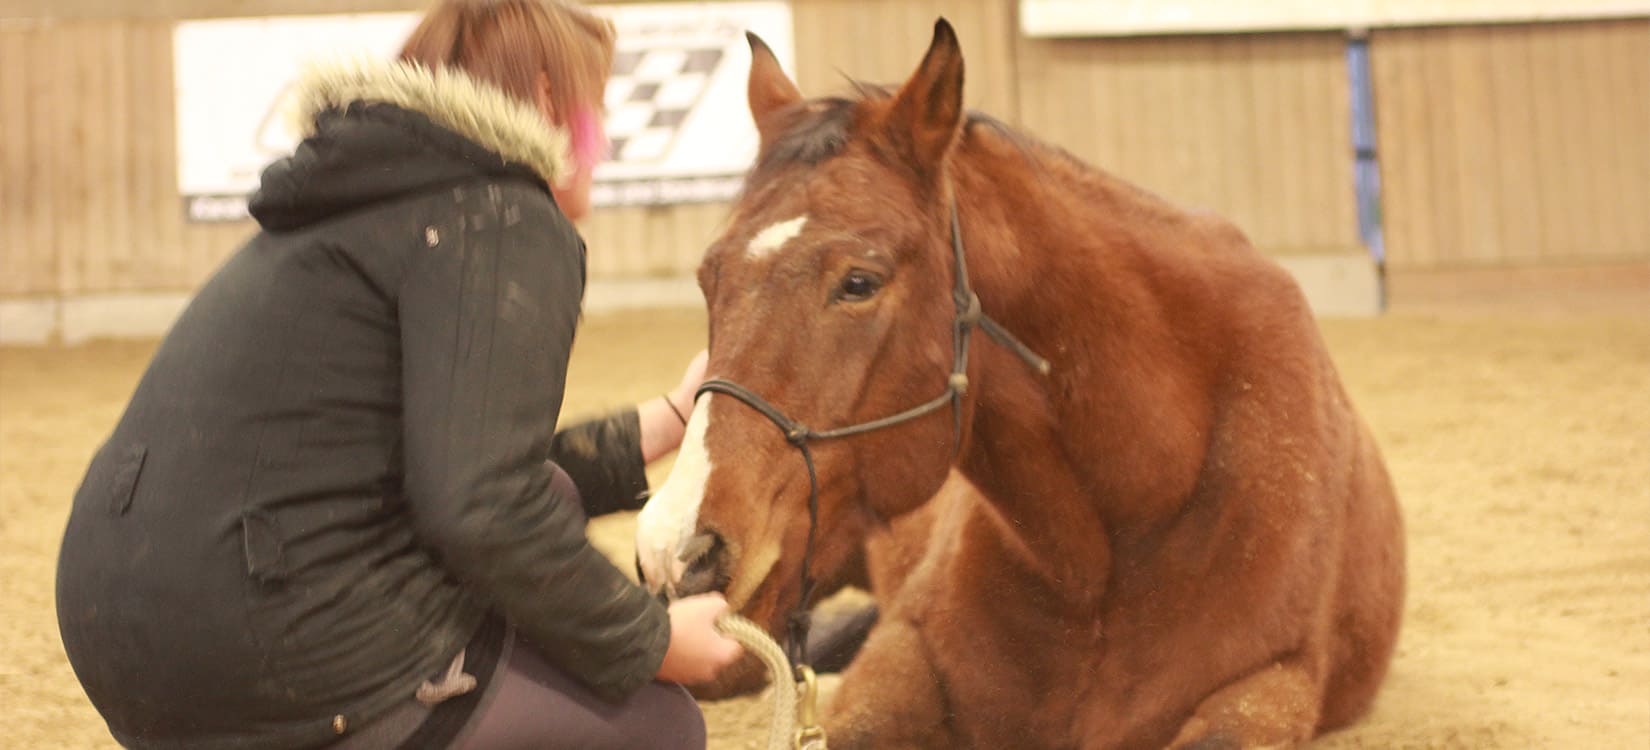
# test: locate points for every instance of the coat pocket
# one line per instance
(123, 482)
(265, 551)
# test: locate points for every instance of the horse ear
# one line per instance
(928, 110)
(769, 89)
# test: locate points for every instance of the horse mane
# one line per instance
(824, 127)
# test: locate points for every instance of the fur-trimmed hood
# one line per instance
(450, 98)
(380, 131)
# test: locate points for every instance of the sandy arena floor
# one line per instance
(1515, 420)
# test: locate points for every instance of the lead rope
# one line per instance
(800, 619)
(795, 723)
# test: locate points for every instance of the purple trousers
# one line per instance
(531, 705)
(526, 703)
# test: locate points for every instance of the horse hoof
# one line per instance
(835, 639)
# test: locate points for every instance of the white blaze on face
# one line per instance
(670, 516)
(775, 236)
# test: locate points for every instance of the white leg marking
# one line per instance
(775, 236)
(669, 518)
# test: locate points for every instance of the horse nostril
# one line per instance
(641, 577)
(702, 556)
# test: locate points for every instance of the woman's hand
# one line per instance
(665, 418)
(697, 652)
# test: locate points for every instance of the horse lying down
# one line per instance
(1183, 534)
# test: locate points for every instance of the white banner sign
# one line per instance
(232, 81)
(1058, 18)
(676, 109)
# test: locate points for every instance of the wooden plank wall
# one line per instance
(1500, 145)
(644, 241)
(889, 39)
(62, 79)
(1514, 145)
(1255, 127)
(88, 174)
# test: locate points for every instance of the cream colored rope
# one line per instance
(782, 732)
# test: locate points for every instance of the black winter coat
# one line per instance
(335, 468)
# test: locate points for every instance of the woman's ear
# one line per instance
(542, 99)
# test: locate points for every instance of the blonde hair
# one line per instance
(510, 43)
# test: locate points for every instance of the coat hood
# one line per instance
(374, 131)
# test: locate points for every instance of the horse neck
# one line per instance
(1056, 259)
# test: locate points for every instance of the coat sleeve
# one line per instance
(604, 458)
(487, 318)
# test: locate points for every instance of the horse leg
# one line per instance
(1274, 707)
(890, 696)
(1370, 600)
(835, 637)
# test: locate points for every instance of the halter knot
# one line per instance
(959, 382)
(797, 435)
(797, 624)
(969, 313)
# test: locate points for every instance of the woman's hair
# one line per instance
(509, 43)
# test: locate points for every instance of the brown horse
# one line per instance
(1183, 533)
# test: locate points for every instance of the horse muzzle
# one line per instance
(704, 570)
(697, 566)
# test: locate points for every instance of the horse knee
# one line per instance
(1358, 670)
(1276, 706)
(1370, 607)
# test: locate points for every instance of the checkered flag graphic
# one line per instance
(650, 94)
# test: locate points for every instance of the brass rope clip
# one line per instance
(809, 734)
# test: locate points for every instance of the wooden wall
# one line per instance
(1515, 144)
(1256, 127)
(889, 38)
(88, 167)
(1499, 145)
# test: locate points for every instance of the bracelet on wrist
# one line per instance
(674, 410)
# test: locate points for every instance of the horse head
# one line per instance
(831, 301)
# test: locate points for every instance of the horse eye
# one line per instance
(858, 286)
